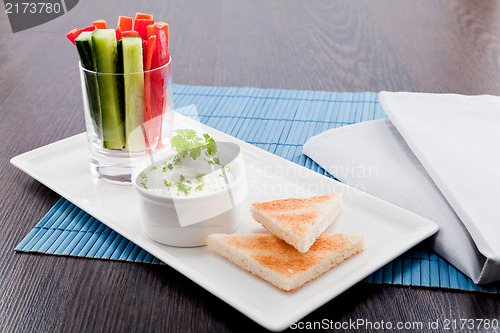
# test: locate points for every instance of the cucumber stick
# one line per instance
(106, 58)
(134, 93)
(84, 47)
(85, 51)
(119, 69)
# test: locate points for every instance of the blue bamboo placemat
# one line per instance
(279, 121)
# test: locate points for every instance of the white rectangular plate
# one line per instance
(389, 230)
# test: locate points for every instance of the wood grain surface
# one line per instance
(372, 45)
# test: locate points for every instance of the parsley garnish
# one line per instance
(214, 160)
(168, 166)
(211, 146)
(182, 186)
(144, 179)
(187, 143)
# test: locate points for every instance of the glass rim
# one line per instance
(132, 73)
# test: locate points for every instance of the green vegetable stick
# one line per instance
(85, 51)
(106, 56)
(134, 93)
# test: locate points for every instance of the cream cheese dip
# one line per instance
(178, 179)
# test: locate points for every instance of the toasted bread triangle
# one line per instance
(280, 264)
(298, 221)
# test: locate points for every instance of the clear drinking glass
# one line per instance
(127, 116)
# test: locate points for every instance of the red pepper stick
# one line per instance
(151, 127)
(125, 23)
(160, 78)
(130, 33)
(153, 79)
(150, 50)
(151, 31)
(139, 16)
(166, 29)
(100, 24)
(162, 33)
(118, 33)
(141, 26)
(73, 34)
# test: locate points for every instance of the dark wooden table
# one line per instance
(372, 45)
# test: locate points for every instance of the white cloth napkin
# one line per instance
(440, 159)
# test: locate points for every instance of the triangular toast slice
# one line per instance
(280, 264)
(298, 221)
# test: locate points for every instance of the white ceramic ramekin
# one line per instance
(213, 212)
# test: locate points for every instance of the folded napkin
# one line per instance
(440, 160)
